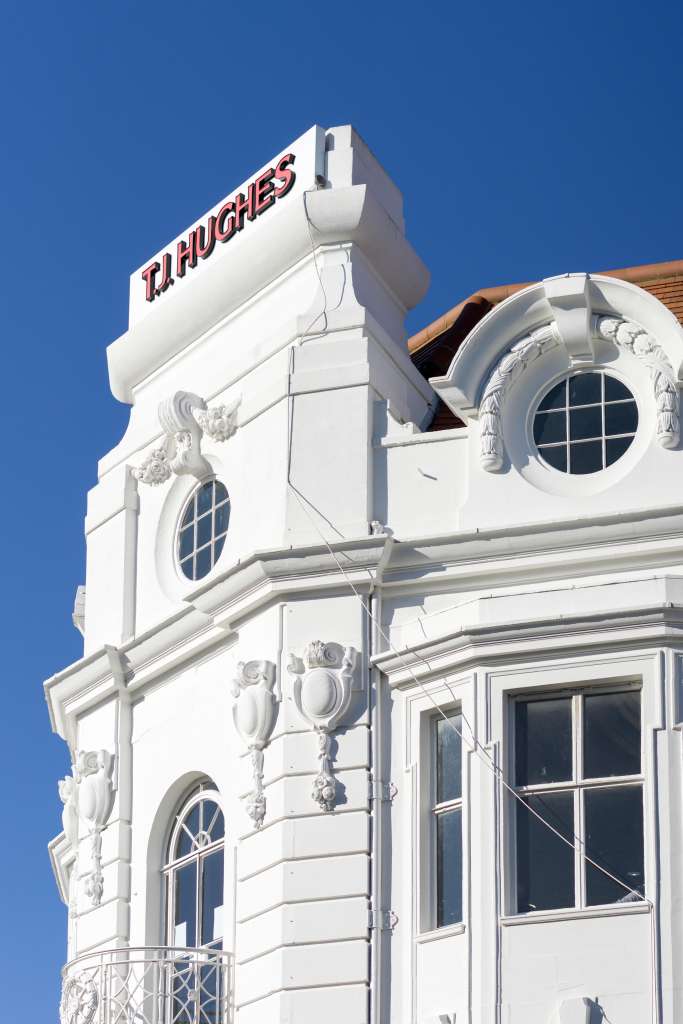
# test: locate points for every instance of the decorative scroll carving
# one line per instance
(219, 422)
(635, 339)
(510, 367)
(79, 1001)
(323, 683)
(183, 434)
(254, 713)
(154, 469)
(184, 418)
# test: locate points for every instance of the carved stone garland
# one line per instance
(88, 795)
(508, 370)
(624, 334)
(254, 713)
(184, 419)
(635, 339)
(323, 682)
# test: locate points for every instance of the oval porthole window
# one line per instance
(202, 530)
(585, 422)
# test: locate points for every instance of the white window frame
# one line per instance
(577, 785)
(417, 828)
(214, 538)
(552, 674)
(438, 809)
(206, 791)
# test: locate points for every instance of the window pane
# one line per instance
(205, 498)
(543, 741)
(556, 397)
(186, 546)
(203, 530)
(616, 448)
(203, 562)
(585, 422)
(448, 868)
(585, 388)
(185, 905)
(621, 418)
(189, 513)
(448, 759)
(212, 897)
(545, 864)
(556, 456)
(188, 831)
(221, 518)
(585, 457)
(611, 734)
(549, 427)
(615, 390)
(217, 548)
(210, 816)
(614, 839)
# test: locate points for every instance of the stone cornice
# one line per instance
(213, 612)
(542, 638)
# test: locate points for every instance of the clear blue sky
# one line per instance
(528, 139)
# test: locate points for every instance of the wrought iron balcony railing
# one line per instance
(148, 985)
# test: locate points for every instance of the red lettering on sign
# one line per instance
(148, 274)
(285, 174)
(200, 243)
(187, 253)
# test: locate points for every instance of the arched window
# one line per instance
(194, 872)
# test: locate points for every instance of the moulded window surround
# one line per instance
(194, 872)
(577, 761)
(446, 821)
(202, 529)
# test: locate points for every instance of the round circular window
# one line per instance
(585, 423)
(202, 529)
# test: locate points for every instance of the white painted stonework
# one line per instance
(372, 571)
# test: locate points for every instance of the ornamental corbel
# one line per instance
(323, 688)
(95, 797)
(185, 418)
(254, 713)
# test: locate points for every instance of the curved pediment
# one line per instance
(570, 307)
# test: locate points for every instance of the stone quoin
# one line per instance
(379, 714)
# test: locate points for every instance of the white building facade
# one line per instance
(375, 722)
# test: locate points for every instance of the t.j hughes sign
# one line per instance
(220, 231)
(259, 196)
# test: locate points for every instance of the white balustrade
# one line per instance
(148, 985)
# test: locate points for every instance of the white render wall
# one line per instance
(485, 584)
